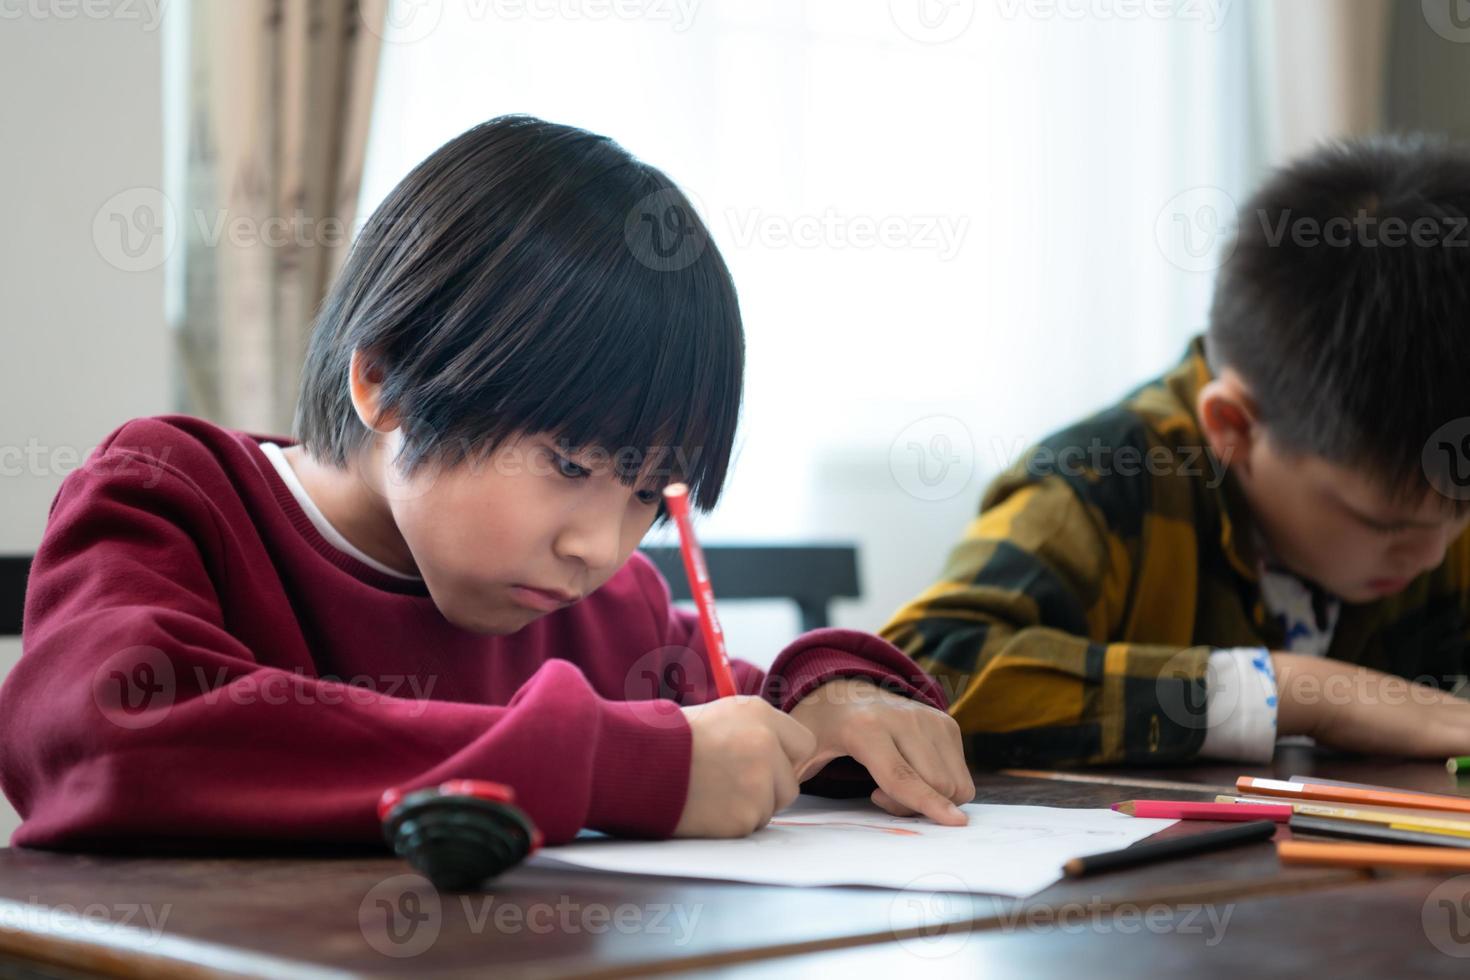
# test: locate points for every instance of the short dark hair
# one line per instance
(534, 277)
(1345, 304)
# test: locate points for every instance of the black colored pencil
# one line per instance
(1213, 840)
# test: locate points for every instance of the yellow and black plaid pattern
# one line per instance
(1074, 620)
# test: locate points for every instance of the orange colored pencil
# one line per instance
(1372, 856)
(1279, 788)
(676, 496)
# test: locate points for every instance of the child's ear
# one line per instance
(365, 383)
(1227, 418)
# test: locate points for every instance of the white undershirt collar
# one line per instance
(318, 519)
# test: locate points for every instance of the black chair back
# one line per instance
(809, 575)
(14, 569)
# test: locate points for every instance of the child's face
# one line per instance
(1334, 526)
(503, 539)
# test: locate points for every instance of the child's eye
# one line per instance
(649, 497)
(569, 469)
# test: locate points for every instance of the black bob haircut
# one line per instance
(530, 277)
(1345, 306)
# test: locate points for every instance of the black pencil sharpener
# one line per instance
(459, 833)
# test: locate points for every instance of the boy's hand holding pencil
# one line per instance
(742, 767)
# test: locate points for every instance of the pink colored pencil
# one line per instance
(676, 495)
(1176, 810)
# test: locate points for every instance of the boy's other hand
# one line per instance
(1363, 710)
(913, 752)
(743, 766)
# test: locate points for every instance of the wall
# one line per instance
(83, 339)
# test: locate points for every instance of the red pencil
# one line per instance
(676, 495)
(1176, 810)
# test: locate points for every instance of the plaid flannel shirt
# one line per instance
(1074, 620)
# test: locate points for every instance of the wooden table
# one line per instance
(1228, 914)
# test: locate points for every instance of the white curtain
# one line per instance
(954, 227)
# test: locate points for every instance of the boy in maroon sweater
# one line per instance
(233, 636)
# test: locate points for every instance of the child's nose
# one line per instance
(593, 541)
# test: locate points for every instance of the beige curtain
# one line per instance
(1322, 71)
(280, 100)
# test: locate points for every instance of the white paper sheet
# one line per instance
(1005, 850)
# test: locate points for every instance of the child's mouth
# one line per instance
(1388, 586)
(543, 600)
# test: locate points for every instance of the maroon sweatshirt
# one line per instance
(200, 663)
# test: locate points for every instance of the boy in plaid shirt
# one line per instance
(1269, 540)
